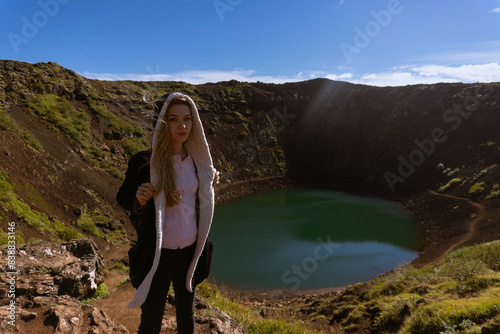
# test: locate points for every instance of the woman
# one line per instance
(169, 192)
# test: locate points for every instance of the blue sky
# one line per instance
(378, 42)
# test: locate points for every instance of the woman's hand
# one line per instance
(216, 178)
(144, 193)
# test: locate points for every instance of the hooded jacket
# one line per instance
(198, 148)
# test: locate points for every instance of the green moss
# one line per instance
(279, 152)
(462, 269)
(243, 135)
(120, 266)
(89, 223)
(477, 188)
(35, 196)
(487, 253)
(135, 145)
(57, 110)
(31, 141)
(75, 124)
(101, 292)
(495, 192)
(462, 295)
(248, 316)
(433, 317)
(4, 237)
(5, 187)
(116, 123)
(67, 233)
(38, 220)
(424, 274)
(383, 288)
(8, 124)
(395, 310)
(449, 184)
(101, 159)
(240, 118)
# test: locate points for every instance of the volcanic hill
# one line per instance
(66, 141)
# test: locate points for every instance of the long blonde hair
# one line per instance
(162, 159)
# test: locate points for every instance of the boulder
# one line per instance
(47, 281)
(60, 315)
(74, 268)
(209, 319)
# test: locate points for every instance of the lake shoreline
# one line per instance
(227, 191)
(445, 229)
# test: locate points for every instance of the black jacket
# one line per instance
(143, 218)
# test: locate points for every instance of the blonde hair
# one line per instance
(162, 160)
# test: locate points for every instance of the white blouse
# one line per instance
(180, 227)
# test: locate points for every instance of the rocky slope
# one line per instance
(66, 141)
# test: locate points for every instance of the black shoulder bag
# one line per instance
(204, 263)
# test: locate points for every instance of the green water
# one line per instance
(308, 239)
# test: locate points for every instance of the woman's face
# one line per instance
(179, 123)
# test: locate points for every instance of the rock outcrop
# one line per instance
(74, 268)
(48, 282)
(213, 320)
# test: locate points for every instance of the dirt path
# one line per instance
(471, 225)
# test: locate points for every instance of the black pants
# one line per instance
(173, 268)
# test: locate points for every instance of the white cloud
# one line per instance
(496, 10)
(341, 77)
(426, 74)
(398, 76)
(479, 52)
(465, 73)
(197, 77)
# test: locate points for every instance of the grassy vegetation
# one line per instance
(119, 266)
(101, 292)
(9, 201)
(449, 184)
(477, 188)
(76, 124)
(438, 316)
(4, 237)
(495, 192)
(248, 316)
(460, 296)
(114, 121)
(8, 124)
(89, 222)
(136, 144)
(58, 111)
